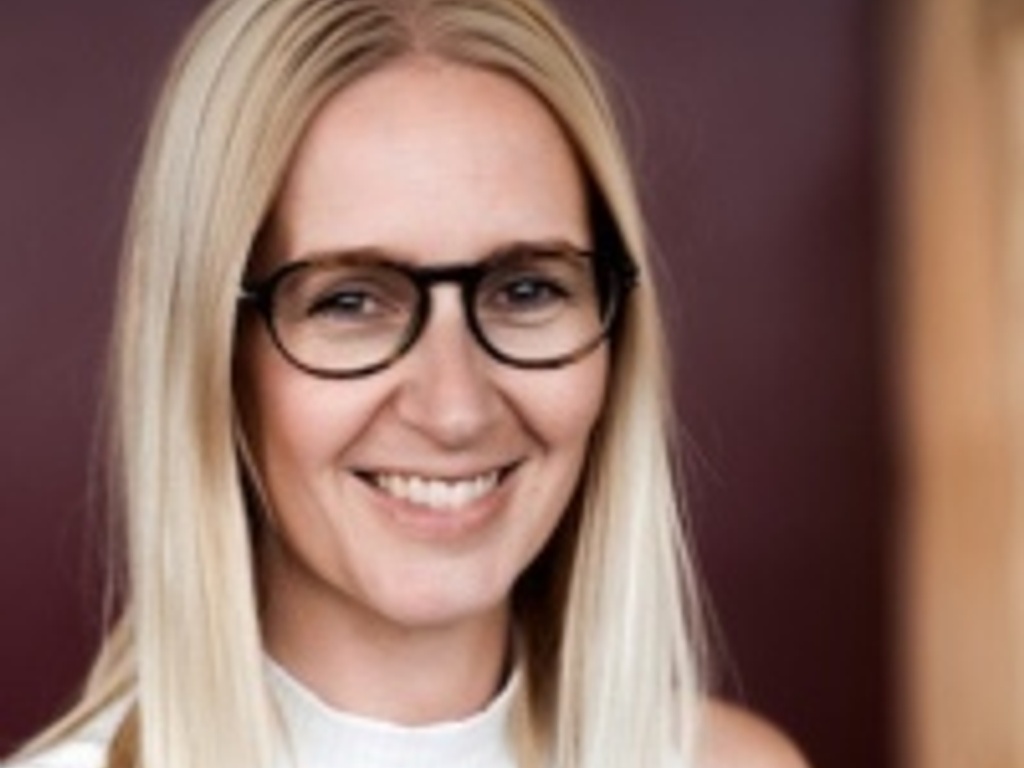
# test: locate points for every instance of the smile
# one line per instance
(435, 493)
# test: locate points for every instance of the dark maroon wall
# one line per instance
(753, 126)
(75, 80)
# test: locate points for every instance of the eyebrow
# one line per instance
(405, 258)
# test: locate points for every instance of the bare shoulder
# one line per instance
(737, 738)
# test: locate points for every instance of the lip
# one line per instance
(432, 523)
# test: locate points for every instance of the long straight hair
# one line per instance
(607, 617)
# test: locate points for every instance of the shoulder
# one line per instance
(737, 738)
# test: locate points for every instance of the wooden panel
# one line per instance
(964, 542)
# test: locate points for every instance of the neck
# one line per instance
(362, 663)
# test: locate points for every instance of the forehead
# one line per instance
(430, 157)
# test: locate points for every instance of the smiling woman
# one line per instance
(415, 495)
(391, 415)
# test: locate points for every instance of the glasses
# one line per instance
(356, 313)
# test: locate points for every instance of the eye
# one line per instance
(350, 303)
(346, 295)
(535, 287)
(526, 292)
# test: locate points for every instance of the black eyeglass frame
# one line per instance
(615, 278)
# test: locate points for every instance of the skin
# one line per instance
(736, 738)
(382, 607)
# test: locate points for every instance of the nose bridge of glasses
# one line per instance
(459, 280)
(464, 276)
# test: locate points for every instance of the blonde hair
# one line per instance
(607, 617)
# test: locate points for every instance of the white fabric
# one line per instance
(87, 749)
(325, 738)
(321, 737)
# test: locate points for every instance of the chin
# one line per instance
(422, 605)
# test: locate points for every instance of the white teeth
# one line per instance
(437, 494)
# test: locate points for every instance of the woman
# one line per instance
(391, 414)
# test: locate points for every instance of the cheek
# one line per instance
(293, 423)
(562, 413)
(265, 399)
(566, 408)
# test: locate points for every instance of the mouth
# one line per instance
(442, 494)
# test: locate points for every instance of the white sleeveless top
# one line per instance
(322, 737)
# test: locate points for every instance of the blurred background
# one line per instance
(830, 187)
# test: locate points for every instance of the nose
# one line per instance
(448, 393)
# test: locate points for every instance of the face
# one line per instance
(417, 495)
